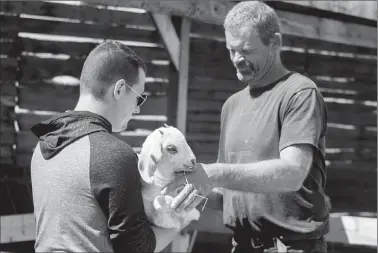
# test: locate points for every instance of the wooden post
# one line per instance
(172, 99)
(178, 48)
(172, 90)
(183, 75)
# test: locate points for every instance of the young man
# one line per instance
(271, 160)
(86, 184)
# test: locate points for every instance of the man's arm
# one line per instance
(115, 182)
(277, 175)
(303, 125)
(282, 175)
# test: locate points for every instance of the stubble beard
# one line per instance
(261, 73)
(249, 76)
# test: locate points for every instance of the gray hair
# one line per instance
(255, 14)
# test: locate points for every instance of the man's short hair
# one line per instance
(107, 63)
(254, 14)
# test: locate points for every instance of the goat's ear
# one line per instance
(149, 159)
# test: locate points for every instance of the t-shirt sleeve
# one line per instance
(304, 120)
(220, 156)
(115, 182)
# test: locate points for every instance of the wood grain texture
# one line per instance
(13, 25)
(292, 23)
(214, 32)
(82, 49)
(169, 36)
(60, 98)
(312, 64)
(363, 9)
(83, 13)
(35, 68)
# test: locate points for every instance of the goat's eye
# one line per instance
(172, 149)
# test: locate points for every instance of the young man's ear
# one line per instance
(118, 88)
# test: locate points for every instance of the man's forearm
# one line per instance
(275, 175)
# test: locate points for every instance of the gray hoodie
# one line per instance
(86, 188)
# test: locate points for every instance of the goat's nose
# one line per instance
(193, 161)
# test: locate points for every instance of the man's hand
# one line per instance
(200, 184)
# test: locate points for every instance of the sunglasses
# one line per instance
(141, 98)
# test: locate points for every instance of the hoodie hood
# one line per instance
(63, 129)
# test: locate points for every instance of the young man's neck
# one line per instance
(90, 104)
(274, 73)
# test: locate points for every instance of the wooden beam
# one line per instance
(301, 25)
(206, 11)
(363, 9)
(178, 49)
(324, 29)
(12, 25)
(82, 13)
(17, 228)
(168, 34)
(183, 75)
(353, 230)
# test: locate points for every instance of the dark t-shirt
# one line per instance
(256, 126)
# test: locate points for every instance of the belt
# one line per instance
(259, 244)
(262, 242)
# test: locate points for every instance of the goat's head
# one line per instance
(164, 152)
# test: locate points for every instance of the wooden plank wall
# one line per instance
(347, 77)
(40, 43)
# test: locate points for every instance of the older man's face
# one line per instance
(249, 55)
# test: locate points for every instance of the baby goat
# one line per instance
(164, 152)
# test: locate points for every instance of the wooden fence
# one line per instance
(41, 42)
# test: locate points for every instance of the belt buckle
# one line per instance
(254, 244)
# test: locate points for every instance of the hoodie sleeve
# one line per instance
(115, 182)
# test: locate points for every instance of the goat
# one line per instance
(164, 152)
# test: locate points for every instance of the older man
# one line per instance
(86, 185)
(271, 160)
